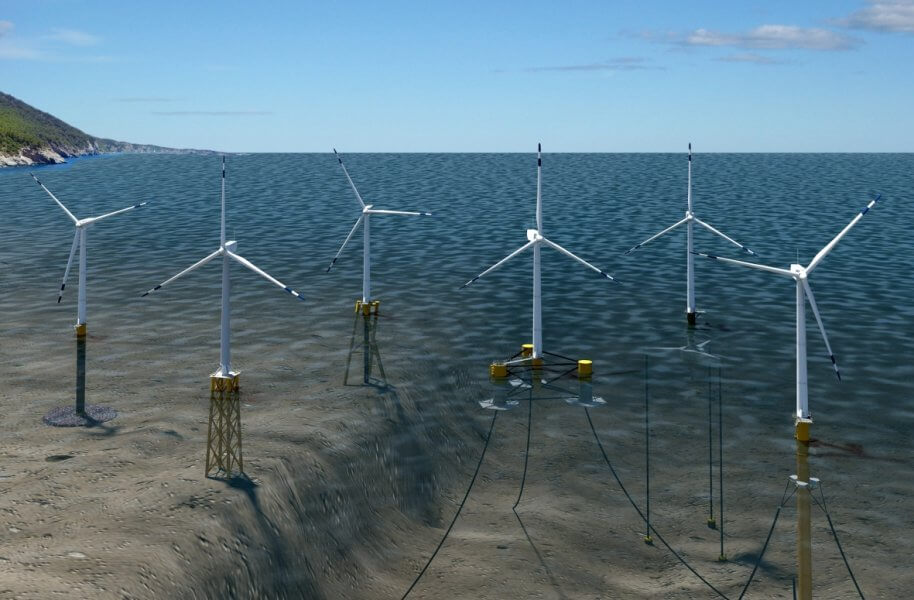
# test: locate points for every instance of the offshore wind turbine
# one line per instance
(227, 251)
(689, 220)
(79, 239)
(365, 219)
(803, 481)
(536, 240)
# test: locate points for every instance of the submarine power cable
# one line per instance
(459, 508)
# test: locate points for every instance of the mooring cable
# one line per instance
(710, 454)
(647, 454)
(758, 561)
(459, 508)
(641, 514)
(523, 480)
(561, 356)
(720, 457)
(834, 533)
(560, 375)
(520, 494)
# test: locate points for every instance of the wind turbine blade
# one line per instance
(196, 265)
(348, 178)
(264, 274)
(398, 212)
(66, 272)
(723, 235)
(346, 241)
(747, 264)
(111, 214)
(830, 246)
(577, 258)
(654, 237)
(815, 311)
(59, 203)
(499, 263)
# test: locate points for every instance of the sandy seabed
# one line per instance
(352, 485)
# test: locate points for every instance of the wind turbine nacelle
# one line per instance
(533, 235)
(231, 246)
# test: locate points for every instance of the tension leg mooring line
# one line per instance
(758, 561)
(641, 514)
(523, 480)
(459, 508)
(834, 533)
(720, 456)
(710, 455)
(557, 377)
(647, 455)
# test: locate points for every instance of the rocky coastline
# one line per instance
(55, 154)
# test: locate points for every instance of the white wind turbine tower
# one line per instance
(688, 221)
(535, 241)
(804, 482)
(227, 251)
(366, 303)
(79, 239)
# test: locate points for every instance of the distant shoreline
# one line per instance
(38, 157)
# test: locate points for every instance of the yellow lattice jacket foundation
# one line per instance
(368, 308)
(220, 383)
(223, 440)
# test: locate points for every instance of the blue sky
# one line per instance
(590, 76)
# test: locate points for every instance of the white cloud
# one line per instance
(10, 50)
(622, 63)
(752, 57)
(14, 52)
(211, 113)
(892, 16)
(772, 37)
(73, 37)
(144, 99)
(42, 48)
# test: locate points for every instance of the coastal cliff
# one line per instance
(29, 136)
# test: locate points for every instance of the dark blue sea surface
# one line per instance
(290, 213)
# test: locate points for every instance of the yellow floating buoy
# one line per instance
(526, 350)
(585, 368)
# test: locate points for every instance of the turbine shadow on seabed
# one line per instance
(81, 414)
(364, 342)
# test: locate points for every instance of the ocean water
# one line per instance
(290, 213)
